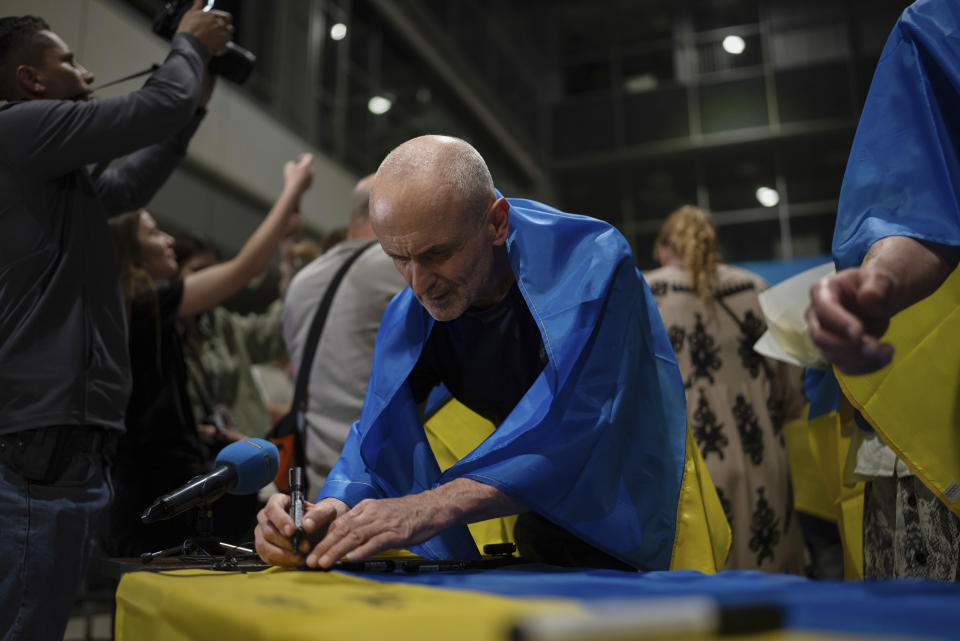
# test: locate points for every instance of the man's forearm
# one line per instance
(136, 180)
(917, 268)
(464, 501)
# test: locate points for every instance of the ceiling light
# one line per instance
(768, 197)
(338, 31)
(379, 105)
(734, 45)
(640, 83)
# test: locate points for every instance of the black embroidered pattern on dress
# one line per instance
(729, 290)
(706, 431)
(763, 525)
(776, 407)
(727, 508)
(751, 330)
(751, 437)
(734, 288)
(676, 334)
(703, 354)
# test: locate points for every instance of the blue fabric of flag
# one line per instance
(903, 174)
(907, 608)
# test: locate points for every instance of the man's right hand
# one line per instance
(275, 527)
(213, 28)
(298, 176)
(849, 312)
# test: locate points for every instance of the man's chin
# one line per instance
(442, 312)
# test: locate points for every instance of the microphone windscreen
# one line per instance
(255, 460)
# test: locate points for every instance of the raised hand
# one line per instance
(213, 28)
(298, 174)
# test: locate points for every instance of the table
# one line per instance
(483, 605)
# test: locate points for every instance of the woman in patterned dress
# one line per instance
(737, 401)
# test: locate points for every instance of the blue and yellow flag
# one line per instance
(903, 179)
(598, 443)
(903, 175)
(702, 538)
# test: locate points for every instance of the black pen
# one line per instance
(296, 505)
(374, 565)
(446, 565)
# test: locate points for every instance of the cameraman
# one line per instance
(64, 370)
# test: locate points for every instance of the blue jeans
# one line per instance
(45, 530)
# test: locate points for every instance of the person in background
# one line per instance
(161, 449)
(65, 375)
(344, 356)
(333, 237)
(737, 400)
(220, 347)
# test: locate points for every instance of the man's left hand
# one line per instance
(374, 525)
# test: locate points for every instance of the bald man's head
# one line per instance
(435, 212)
(429, 165)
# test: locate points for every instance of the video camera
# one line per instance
(235, 64)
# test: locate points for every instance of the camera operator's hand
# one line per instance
(298, 175)
(213, 28)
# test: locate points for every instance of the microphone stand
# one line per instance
(200, 547)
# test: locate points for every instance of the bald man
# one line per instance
(536, 320)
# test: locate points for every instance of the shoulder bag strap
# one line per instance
(313, 338)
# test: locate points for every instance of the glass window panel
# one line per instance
(815, 92)
(583, 125)
(813, 167)
(594, 193)
(658, 115)
(653, 67)
(662, 186)
(586, 77)
(713, 57)
(733, 105)
(749, 241)
(812, 235)
(638, 23)
(732, 176)
(714, 14)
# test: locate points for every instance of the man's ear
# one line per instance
(500, 221)
(29, 83)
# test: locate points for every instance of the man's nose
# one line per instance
(421, 279)
(87, 76)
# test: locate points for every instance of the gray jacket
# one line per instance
(63, 330)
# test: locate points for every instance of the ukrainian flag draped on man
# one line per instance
(598, 444)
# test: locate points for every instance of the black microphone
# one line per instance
(240, 468)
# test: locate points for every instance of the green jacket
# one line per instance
(231, 343)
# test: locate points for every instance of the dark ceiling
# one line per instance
(619, 109)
